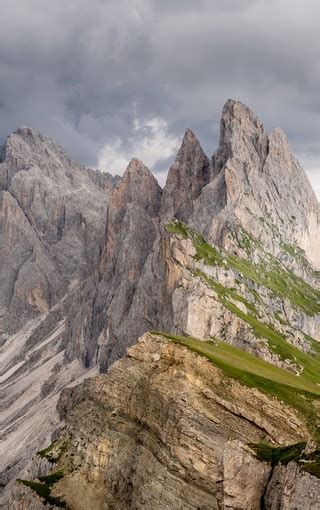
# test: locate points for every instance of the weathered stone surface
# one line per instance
(200, 311)
(33, 373)
(30, 281)
(52, 225)
(259, 185)
(137, 259)
(166, 429)
(289, 489)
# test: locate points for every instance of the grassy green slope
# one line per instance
(298, 391)
(232, 360)
(260, 269)
(269, 272)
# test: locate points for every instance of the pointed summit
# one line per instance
(236, 115)
(189, 137)
(29, 134)
(242, 136)
(239, 111)
(137, 170)
(189, 140)
(135, 164)
(26, 148)
(258, 178)
(186, 178)
(138, 186)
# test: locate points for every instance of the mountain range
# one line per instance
(160, 347)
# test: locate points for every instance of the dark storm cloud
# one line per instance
(84, 72)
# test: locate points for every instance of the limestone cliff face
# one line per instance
(52, 225)
(214, 296)
(167, 429)
(130, 274)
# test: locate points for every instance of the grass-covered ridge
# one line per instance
(277, 342)
(298, 392)
(269, 272)
(233, 359)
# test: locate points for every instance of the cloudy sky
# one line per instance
(112, 79)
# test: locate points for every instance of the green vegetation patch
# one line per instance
(298, 391)
(278, 455)
(246, 241)
(177, 227)
(284, 454)
(313, 467)
(299, 255)
(53, 478)
(44, 491)
(281, 319)
(54, 451)
(225, 294)
(277, 342)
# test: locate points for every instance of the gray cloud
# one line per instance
(83, 72)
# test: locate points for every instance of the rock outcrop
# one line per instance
(52, 225)
(253, 200)
(129, 275)
(167, 429)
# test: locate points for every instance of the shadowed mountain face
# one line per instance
(52, 225)
(229, 249)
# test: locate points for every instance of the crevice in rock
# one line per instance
(243, 417)
(263, 496)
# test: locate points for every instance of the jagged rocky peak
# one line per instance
(56, 220)
(186, 178)
(52, 214)
(52, 231)
(136, 198)
(127, 268)
(138, 186)
(258, 185)
(31, 139)
(104, 180)
(27, 147)
(29, 134)
(242, 136)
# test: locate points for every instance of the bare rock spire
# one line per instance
(186, 178)
(258, 185)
